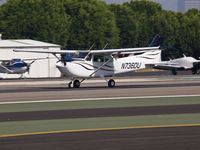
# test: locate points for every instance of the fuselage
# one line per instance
(15, 68)
(184, 62)
(88, 68)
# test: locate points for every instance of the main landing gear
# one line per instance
(174, 72)
(77, 83)
(111, 83)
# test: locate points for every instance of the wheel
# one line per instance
(111, 83)
(76, 83)
(69, 85)
(174, 72)
(194, 71)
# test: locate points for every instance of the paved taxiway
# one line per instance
(186, 137)
(176, 138)
(98, 112)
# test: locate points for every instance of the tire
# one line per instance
(76, 84)
(69, 85)
(111, 83)
(174, 72)
(194, 71)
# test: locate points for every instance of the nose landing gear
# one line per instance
(76, 83)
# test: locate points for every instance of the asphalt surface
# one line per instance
(99, 112)
(58, 90)
(171, 138)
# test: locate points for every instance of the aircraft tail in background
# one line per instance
(157, 41)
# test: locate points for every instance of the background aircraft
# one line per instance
(184, 63)
(16, 66)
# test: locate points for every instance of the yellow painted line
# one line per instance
(100, 129)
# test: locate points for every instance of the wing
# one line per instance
(47, 51)
(111, 51)
(5, 60)
(37, 58)
(106, 51)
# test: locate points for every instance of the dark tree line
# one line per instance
(77, 24)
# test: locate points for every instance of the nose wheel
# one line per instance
(76, 84)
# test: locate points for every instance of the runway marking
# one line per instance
(99, 129)
(96, 99)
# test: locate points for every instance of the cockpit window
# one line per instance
(101, 58)
(16, 60)
(89, 57)
(98, 58)
(6, 63)
(79, 55)
(107, 58)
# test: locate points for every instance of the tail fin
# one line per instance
(157, 41)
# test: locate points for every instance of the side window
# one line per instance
(108, 57)
(89, 57)
(98, 58)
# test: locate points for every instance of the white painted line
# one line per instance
(96, 99)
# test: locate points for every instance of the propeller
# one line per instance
(28, 65)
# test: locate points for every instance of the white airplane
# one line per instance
(16, 66)
(184, 63)
(101, 63)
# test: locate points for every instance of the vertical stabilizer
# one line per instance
(157, 41)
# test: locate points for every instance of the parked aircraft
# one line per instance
(184, 63)
(16, 66)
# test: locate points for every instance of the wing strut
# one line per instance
(8, 70)
(89, 51)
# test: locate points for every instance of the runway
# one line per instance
(30, 90)
(140, 113)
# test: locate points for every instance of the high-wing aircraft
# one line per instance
(104, 63)
(184, 63)
(101, 63)
(16, 66)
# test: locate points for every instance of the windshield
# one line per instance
(79, 55)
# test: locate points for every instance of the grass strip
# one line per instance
(109, 103)
(21, 127)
